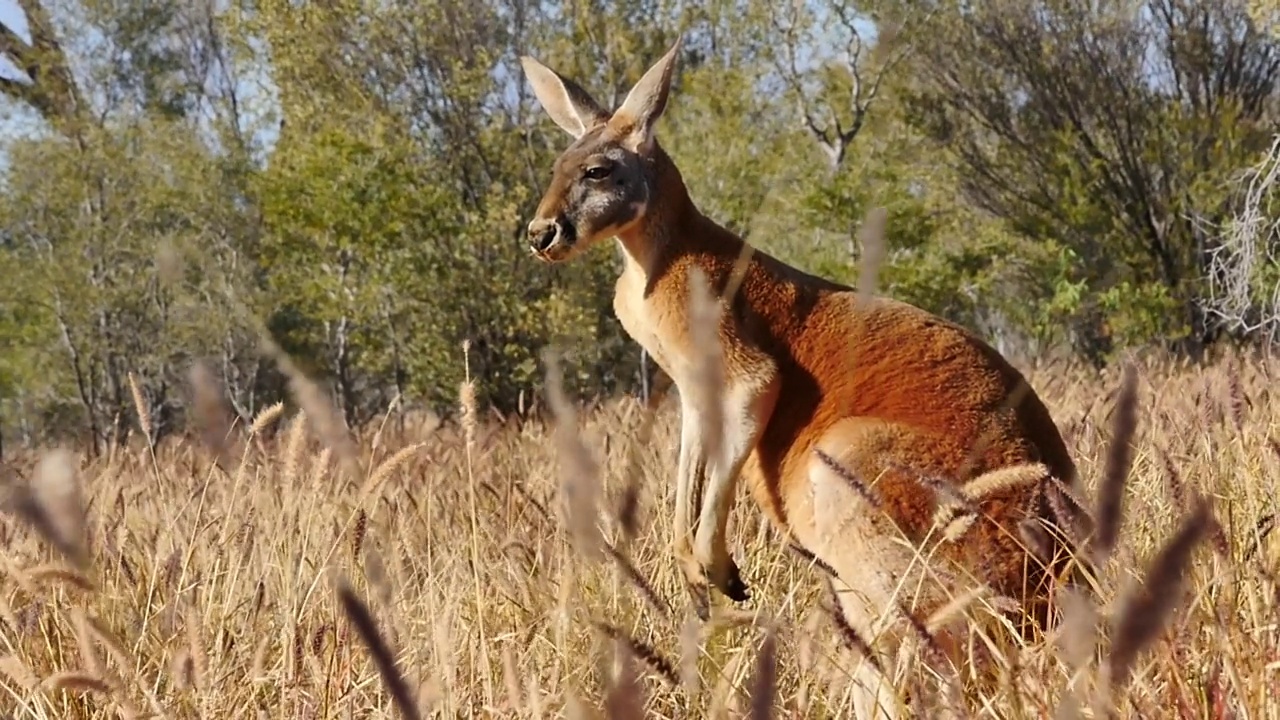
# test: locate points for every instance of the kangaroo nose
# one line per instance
(542, 233)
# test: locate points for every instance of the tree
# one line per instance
(1244, 267)
(355, 179)
(1266, 13)
(1111, 130)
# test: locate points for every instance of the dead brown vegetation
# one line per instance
(482, 571)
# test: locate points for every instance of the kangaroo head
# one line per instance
(604, 182)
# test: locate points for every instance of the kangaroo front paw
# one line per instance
(724, 576)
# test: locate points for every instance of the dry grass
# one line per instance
(253, 578)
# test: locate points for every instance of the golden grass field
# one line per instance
(211, 590)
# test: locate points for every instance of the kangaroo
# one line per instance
(857, 422)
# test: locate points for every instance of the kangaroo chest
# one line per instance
(653, 326)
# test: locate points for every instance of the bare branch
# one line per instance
(1249, 244)
(835, 136)
(791, 75)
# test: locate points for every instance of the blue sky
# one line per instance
(12, 17)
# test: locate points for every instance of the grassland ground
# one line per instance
(502, 566)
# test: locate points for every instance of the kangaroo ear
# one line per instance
(572, 108)
(646, 101)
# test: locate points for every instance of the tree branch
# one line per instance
(52, 90)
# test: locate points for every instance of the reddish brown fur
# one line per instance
(941, 386)
(870, 384)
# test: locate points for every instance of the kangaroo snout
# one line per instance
(548, 237)
(542, 232)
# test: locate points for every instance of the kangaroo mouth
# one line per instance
(557, 243)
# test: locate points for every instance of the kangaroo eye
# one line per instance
(597, 172)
